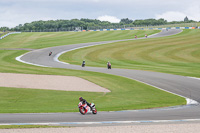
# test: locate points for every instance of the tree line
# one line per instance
(87, 24)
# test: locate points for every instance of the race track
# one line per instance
(181, 85)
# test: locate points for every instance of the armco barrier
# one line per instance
(8, 34)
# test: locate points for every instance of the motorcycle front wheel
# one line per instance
(94, 111)
(82, 111)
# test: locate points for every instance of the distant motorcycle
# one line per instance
(83, 64)
(84, 108)
(50, 53)
(109, 66)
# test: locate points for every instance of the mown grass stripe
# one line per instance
(178, 54)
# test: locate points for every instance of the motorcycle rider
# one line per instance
(84, 102)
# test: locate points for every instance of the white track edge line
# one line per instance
(104, 122)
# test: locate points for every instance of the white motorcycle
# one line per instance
(84, 108)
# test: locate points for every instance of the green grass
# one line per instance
(129, 94)
(39, 40)
(179, 54)
(29, 126)
(2, 34)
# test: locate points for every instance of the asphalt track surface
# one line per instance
(181, 85)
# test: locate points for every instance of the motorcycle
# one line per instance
(109, 66)
(84, 108)
(83, 64)
(50, 53)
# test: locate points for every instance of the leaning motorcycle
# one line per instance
(84, 108)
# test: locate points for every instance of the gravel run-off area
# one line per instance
(50, 82)
(158, 128)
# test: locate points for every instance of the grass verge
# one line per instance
(35, 40)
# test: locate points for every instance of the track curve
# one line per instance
(181, 85)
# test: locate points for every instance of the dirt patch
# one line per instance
(50, 82)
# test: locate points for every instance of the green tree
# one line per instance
(125, 21)
(186, 19)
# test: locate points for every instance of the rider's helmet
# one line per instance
(80, 98)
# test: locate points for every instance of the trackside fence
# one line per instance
(2, 37)
(145, 28)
